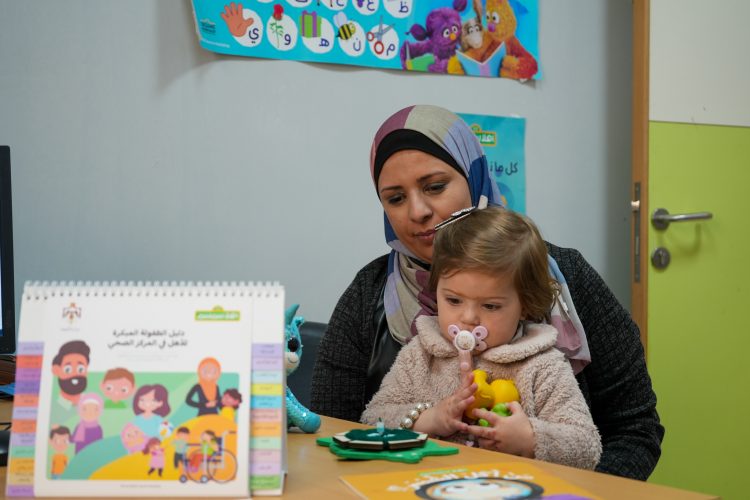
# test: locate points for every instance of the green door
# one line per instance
(698, 306)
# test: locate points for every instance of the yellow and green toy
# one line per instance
(492, 396)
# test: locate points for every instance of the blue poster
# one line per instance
(503, 141)
(491, 38)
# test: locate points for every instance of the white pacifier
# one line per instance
(466, 341)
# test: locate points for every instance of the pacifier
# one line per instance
(466, 341)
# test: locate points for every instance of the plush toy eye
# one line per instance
(454, 29)
(292, 345)
(446, 32)
(495, 17)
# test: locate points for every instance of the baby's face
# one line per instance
(133, 435)
(469, 298)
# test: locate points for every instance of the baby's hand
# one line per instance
(512, 434)
(444, 419)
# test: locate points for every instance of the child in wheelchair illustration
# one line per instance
(209, 460)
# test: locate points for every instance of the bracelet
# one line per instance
(408, 421)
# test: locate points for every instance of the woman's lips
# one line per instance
(425, 235)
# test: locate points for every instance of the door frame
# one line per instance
(639, 169)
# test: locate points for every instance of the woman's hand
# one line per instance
(444, 419)
(512, 434)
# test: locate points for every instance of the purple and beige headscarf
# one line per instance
(446, 136)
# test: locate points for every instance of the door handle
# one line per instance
(661, 218)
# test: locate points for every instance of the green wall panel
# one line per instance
(699, 335)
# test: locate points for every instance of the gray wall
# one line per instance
(139, 156)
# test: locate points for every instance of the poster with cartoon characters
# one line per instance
(490, 38)
(503, 141)
(138, 390)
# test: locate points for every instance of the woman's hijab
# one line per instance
(407, 294)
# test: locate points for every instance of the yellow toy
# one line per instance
(492, 396)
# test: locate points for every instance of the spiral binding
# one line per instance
(40, 290)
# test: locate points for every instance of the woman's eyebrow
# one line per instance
(420, 180)
(427, 177)
(389, 188)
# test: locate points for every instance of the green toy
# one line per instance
(499, 409)
(380, 439)
(409, 456)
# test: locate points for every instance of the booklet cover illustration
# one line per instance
(503, 480)
(138, 390)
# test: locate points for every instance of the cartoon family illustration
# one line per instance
(126, 423)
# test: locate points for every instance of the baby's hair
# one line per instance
(62, 430)
(182, 429)
(498, 241)
(234, 394)
(118, 373)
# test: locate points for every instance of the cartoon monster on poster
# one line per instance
(440, 36)
(483, 45)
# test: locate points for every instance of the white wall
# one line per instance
(139, 156)
(690, 79)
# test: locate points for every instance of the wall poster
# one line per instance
(491, 38)
(503, 138)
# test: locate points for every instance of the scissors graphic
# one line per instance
(377, 36)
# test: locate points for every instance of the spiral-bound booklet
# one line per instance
(146, 390)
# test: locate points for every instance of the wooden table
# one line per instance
(314, 472)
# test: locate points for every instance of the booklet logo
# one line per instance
(71, 312)
(486, 137)
(217, 314)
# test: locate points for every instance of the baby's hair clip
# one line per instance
(464, 212)
(455, 216)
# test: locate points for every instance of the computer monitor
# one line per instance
(7, 298)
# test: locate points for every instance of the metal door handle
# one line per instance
(660, 219)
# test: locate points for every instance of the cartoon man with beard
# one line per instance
(71, 366)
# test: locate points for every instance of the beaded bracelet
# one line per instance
(408, 421)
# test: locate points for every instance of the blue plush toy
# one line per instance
(297, 415)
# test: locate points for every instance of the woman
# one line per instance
(205, 394)
(88, 429)
(426, 164)
(151, 406)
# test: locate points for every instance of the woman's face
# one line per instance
(210, 372)
(90, 411)
(148, 402)
(418, 191)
